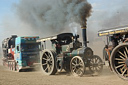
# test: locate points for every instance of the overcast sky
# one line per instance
(7, 7)
(102, 9)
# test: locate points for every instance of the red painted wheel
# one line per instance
(119, 60)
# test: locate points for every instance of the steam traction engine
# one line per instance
(68, 54)
(117, 53)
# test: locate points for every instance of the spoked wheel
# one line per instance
(14, 66)
(96, 64)
(119, 61)
(9, 65)
(48, 62)
(77, 66)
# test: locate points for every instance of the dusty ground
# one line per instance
(37, 78)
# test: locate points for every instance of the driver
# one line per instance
(115, 39)
(58, 46)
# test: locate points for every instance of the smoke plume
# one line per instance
(105, 15)
(53, 16)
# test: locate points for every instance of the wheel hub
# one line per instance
(126, 62)
(77, 66)
(95, 64)
(49, 62)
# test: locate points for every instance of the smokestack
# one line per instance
(84, 34)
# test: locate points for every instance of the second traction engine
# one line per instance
(68, 53)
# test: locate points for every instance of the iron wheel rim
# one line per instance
(47, 62)
(119, 61)
(77, 66)
(96, 65)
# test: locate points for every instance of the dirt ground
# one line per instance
(37, 78)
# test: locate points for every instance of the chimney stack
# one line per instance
(84, 34)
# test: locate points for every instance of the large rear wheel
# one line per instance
(48, 62)
(119, 61)
(77, 66)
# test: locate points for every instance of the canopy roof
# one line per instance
(106, 32)
(61, 36)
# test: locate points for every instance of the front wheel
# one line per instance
(96, 64)
(77, 66)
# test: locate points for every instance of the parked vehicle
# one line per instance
(20, 52)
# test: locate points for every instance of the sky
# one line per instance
(6, 7)
(105, 14)
(102, 12)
